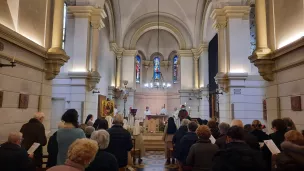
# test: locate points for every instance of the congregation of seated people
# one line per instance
(194, 146)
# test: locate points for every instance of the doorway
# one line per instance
(213, 70)
(58, 108)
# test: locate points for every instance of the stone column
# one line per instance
(196, 74)
(118, 70)
(187, 76)
(220, 23)
(56, 55)
(97, 24)
(261, 27)
(203, 66)
(57, 26)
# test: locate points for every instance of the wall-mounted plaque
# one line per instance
(23, 101)
(1, 98)
(296, 103)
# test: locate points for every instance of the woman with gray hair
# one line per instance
(221, 141)
(103, 160)
(183, 129)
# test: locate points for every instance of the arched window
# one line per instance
(175, 70)
(156, 68)
(64, 24)
(252, 29)
(138, 68)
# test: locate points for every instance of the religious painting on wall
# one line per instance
(296, 103)
(107, 108)
(23, 101)
(156, 68)
(101, 98)
(137, 68)
(175, 61)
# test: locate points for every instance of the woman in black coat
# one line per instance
(183, 129)
(292, 156)
(103, 161)
(257, 131)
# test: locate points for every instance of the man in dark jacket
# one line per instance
(120, 141)
(187, 141)
(238, 156)
(34, 132)
(250, 139)
(13, 157)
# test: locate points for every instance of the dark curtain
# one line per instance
(213, 69)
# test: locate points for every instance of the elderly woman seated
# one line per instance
(103, 161)
(80, 154)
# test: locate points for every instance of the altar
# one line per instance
(155, 123)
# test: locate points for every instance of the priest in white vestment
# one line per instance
(176, 118)
(163, 111)
(147, 112)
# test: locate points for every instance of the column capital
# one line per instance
(130, 52)
(185, 53)
(97, 24)
(97, 15)
(116, 49)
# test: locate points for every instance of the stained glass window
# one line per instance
(64, 24)
(175, 71)
(137, 68)
(156, 68)
(252, 30)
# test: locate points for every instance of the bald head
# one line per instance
(15, 137)
(39, 116)
(238, 123)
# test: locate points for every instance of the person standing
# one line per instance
(68, 134)
(79, 155)
(186, 142)
(89, 120)
(103, 161)
(221, 141)
(170, 130)
(120, 142)
(201, 153)
(257, 131)
(238, 155)
(176, 118)
(34, 132)
(182, 130)
(13, 157)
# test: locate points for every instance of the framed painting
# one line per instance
(107, 108)
(23, 101)
(101, 98)
(296, 103)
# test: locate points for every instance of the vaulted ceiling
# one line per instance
(182, 16)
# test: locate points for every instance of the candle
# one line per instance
(13, 59)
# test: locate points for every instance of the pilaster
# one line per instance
(187, 75)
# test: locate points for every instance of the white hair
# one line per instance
(102, 137)
(185, 122)
(118, 119)
(13, 137)
(39, 115)
(223, 127)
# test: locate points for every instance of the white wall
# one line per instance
(187, 77)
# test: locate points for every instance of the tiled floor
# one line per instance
(155, 161)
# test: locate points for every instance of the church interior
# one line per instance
(219, 59)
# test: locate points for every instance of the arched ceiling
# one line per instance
(185, 15)
(148, 43)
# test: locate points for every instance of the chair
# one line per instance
(135, 153)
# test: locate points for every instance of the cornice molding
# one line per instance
(266, 63)
(21, 41)
(21, 62)
(117, 50)
(92, 78)
(185, 53)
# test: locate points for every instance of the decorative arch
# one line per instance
(141, 54)
(162, 26)
(110, 13)
(207, 31)
(157, 54)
